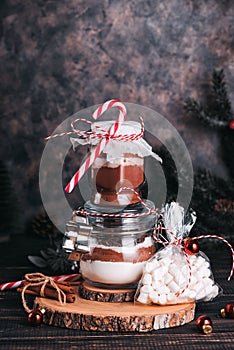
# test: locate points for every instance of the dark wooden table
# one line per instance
(15, 333)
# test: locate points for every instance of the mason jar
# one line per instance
(121, 164)
(118, 245)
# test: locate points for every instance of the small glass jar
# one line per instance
(121, 164)
(118, 247)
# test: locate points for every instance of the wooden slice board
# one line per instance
(86, 291)
(98, 316)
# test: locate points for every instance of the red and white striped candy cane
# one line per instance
(62, 278)
(102, 144)
(10, 285)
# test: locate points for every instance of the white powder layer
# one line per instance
(118, 272)
(101, 162)
(112, 272)
(129, 246)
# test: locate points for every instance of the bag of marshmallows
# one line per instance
(171, 276)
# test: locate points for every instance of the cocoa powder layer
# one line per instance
(109, 178)
(110, 255)
(113, 198)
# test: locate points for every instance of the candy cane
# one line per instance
(102, 144)
(62, 278)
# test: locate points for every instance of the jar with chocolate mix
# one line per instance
(116, 248)
(121, 164)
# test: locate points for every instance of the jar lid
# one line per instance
(125, 128)
(131, 218)
(116, 148)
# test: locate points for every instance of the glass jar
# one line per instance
(118, 247)
(121, 164)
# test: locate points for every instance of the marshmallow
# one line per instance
(146, 289)
(143, 298)
(172, 298)
(157, 275)
(207, 282)
(198, 287)
(163, 289)
(190, 294)
(205, 272)
(149, 266)
(198, 261)
(168, 273)
(192, 259)
(173, 287)
(154, 297)
(201, 294)
(180, 279)
(162, 299)
(157, 284)
(185, 270)
(194, 279)
(147, 279)
(166, 261)
(168, 278)
(174, 270)
(214, 291)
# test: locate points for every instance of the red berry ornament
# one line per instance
(228, 311)
(231, 124)
(204, 324)
(191, 246)
(35, 318)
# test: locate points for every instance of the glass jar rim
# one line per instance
(132, 218)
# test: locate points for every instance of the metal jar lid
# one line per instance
(134, 217)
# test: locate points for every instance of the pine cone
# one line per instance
(43, 226)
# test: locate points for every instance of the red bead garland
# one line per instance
(228, 311)
(231, 124)
(204, 324)
(35, 318)
(191, 246)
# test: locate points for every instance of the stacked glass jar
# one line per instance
(113, 232)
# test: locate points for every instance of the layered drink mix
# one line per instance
(118, 246)
(120, 239)
(117, 265)
(110, 177)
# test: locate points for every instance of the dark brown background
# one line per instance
(58, 57)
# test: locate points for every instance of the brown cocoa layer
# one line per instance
(113, 198)
(109, 178)
(100, 254)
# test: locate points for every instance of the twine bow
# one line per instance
(103, 135)
(38, 279)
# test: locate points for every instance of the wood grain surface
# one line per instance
(86, 291)
(16, 334)
(126, 316)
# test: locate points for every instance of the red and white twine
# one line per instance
(149, 211)
(103, 135)
(223, 240)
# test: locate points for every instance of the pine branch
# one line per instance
(195, 109)
(222, 105)
(219, 113)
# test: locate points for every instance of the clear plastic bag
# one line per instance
(171, 276)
